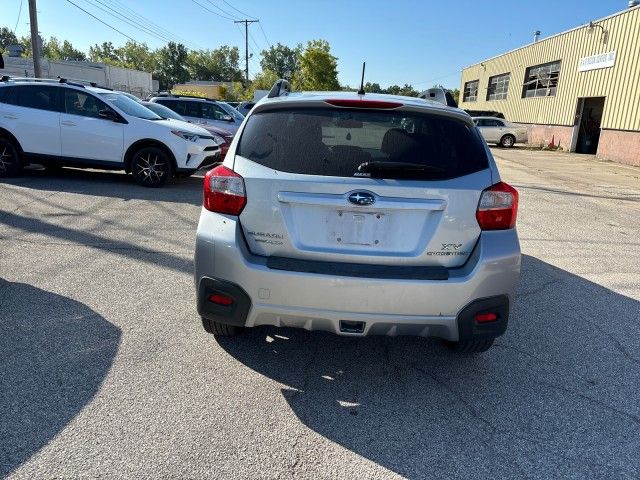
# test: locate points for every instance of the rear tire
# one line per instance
(10, 161)
(470, 346)
(220, 329)
(507, 141)
(151, 167)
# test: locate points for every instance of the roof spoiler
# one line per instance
(281, 87)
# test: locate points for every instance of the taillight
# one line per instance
(224, 191)
(498, 207)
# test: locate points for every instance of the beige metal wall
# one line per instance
(620, 84)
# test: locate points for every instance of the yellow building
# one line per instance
(213, 90)
(579, 88)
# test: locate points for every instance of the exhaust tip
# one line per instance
(351, 327)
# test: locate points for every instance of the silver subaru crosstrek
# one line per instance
(358, 215)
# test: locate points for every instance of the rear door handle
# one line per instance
(68, 123)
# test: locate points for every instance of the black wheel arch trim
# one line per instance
(147, 142)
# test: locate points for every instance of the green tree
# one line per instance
(53, 49)
(7, 37)
(170, 65)
(372, 87)
(318, 68)
(263, 81)
(220, 64)
(105, 53)
(282, 60)
(134, 55)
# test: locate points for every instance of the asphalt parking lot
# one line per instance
(105, 370)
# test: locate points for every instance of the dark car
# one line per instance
(166, 112)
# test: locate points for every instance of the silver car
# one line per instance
(358, 215)
(500, 132)
(200, 110)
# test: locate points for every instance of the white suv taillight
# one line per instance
(498, 207)
(224, 191)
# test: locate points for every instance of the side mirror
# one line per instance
(107, 114)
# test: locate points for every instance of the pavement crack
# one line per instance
(540, 289)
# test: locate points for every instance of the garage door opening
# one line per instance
(587, 124)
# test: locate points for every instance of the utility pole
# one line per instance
(246, 47)
(35, 39)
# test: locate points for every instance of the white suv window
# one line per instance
(41, 97)
(79, 103)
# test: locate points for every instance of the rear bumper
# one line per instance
(437, 308)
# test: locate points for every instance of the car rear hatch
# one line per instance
(361, 182)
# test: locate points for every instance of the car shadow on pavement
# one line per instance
(107, 183)
(555, 397)
(50, 366)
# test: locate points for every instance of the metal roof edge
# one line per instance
(621, 12)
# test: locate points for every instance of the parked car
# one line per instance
(221, 136)
(245, 107)
(58, 123)
(500, 132)
(233, 104)
(326, 215)
(199, 110)
(232, 111)
(485, 113)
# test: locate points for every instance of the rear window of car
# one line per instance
(337, 142)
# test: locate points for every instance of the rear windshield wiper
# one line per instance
(403, 169)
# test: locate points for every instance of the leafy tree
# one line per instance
(170, 65)
(134, 55)
(372, 87)
(282, 60)
(54, 50)
(7, 37)
(263, 81)
(105, 53)
(221, 64)
(318, 68)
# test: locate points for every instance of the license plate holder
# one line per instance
(358, 228)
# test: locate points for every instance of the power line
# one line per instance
(265, 35)
(132, 23)
(229, 14)
(138, 16)
(239, 11)
(101, 21)
(18, 20)
(246, 44)
(254, 43)
(211, 11)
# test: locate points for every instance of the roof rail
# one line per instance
(80, 82)
(280, 88)
(179, 95)
(6, 78)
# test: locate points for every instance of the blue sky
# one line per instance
(403, 41)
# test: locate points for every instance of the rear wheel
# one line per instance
(220, 329)
(507, 141)
(151, 167)
(470, 346)
(10, 161)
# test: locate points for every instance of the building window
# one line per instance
(470, 93)
(541, 80)
(498, 87)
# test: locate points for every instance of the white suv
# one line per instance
(59, 123)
